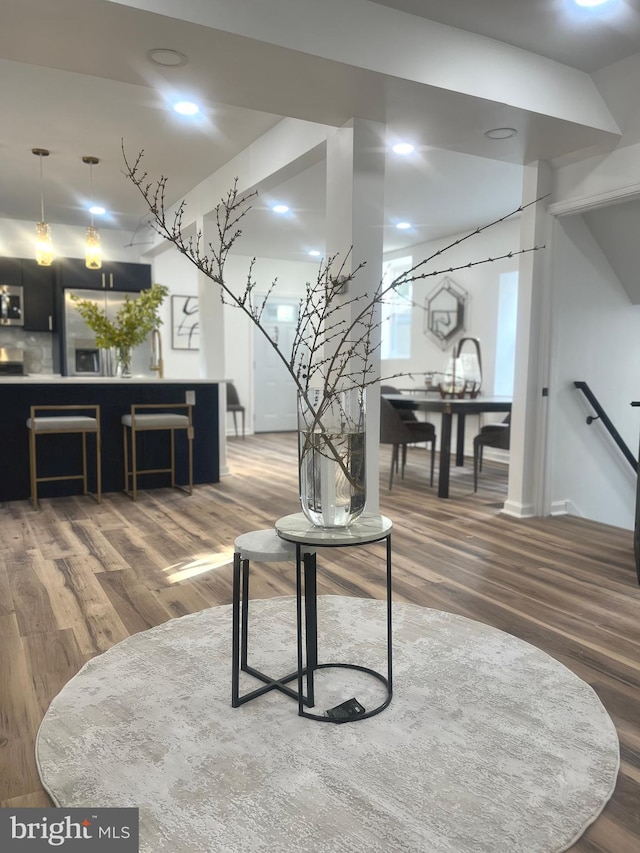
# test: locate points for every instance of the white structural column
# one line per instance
(212, 364)
(355, 219)
(528, 422)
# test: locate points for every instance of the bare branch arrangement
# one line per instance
(336, 336)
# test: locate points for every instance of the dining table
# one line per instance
(430, 401)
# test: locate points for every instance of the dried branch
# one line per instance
(335, 338)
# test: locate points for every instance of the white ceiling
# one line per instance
(76, 80)
(583, 38)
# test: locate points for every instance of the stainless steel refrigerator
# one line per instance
(80, 355)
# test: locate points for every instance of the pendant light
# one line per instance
(44, 246)
(93, 252)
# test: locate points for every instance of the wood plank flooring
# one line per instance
(77, 577)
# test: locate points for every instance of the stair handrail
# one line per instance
(606, 422)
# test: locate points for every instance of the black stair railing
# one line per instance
(602, 416)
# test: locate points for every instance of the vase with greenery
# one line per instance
(130, 326)
(332, 360)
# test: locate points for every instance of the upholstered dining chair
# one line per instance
(496, 435)
(406, 413)
(234, 405)
(399, 433)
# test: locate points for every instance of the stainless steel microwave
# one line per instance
(87, 360)
(11, 305)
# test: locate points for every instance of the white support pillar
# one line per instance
(355, 219)
(212, 364)
(525, 496)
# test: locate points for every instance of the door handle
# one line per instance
(111, 280)
(104, 281)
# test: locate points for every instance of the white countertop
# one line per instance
(48, 378)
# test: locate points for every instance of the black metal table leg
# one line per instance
(460, 439)
(235, 654)
(445, 455)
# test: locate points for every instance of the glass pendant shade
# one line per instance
(44, 246)
(93, 252)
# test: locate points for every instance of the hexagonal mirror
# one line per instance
(445, 310)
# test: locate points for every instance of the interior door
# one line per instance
(275, 399)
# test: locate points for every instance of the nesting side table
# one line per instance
(297, 529)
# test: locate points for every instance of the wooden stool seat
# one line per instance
(53, 424)
(156, 416)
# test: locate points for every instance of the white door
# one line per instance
(275, 398)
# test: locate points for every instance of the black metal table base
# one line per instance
(240, 621)
(307, 641)
(306, 583)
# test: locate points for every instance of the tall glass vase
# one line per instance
(331, 435)
(123, 362)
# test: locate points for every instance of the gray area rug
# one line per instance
(489, 744)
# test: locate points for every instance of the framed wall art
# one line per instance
(185, 322)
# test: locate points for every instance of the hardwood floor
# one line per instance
(77, 577)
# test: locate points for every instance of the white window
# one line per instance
(397, 306)
(506, 334)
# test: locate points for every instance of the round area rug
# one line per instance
(489, 744)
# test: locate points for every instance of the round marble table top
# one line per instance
(368, 528)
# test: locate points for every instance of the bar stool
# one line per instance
(57, 424)
(262, 546)
(156, 419)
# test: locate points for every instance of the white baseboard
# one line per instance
(560, 508)
(518, 510)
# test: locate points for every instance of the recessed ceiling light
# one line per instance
(314, 253)
(403, 148)
(501, 133)
(591, 2)
(280, 208)
(97, 210)
(167, 56)
(402, 226)
(186, 108)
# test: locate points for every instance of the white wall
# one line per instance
(239, 329)
(595, 339)
(178, 274)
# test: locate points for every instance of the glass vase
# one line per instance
(123, 362)
(331, 436)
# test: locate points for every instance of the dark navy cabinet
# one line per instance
(38, 291)
(73, 274)
(38, 286)
(115, 398)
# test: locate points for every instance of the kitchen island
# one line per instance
(115, 397)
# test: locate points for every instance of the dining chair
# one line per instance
(496, 435)
(234, 405)
(399, 433)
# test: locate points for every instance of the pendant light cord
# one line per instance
(91, 190)
(41, 191)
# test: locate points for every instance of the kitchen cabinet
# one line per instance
(72, 273)
(37, 284)
(115, 397)
(11, 272)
